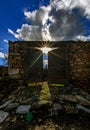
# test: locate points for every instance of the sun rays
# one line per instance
(35, 60)
(45, 48)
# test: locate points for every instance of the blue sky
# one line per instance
(53, 20)
(12, 16)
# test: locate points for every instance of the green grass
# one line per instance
(57, 85)
(45, 93)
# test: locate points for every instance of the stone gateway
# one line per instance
(69, 62)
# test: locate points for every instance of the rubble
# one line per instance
(68, 97)
(25, 106)
(57, 106)
(80, 107)
(12, 105)
(83, 100)
(70, 109)
(3, 116)
(6, 103)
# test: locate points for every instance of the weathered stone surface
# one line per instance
(12, 105)
(80, 64)
(3, 71)
(26, 101)
(70, 109)
(3, 116)
(68, 97)
(58, 111)
(83, 100)
(23, 109)
(15, 60)
(14, 119)
(6, 103)
(80, 107)
(57, 106)
(74, 63)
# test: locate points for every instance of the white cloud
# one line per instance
(28, 32)
(3, 55)
(57, 21)
(5, 40)
(60, 4)
(14, 34)
(30, 15)
(10, 31)
(83, 5)
(83, 38)
(38, 17)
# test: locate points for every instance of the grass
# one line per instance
(45, 92)
(57, 85)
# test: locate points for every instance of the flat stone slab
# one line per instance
(6, 103)
(23, 109)
(83, 100)
(12, 105)
(68, 97)
(80, 107)
(3, 116)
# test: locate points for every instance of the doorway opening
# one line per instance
(45, 51)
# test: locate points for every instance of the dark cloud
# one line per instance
(66, 25)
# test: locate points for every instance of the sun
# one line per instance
(45, 50)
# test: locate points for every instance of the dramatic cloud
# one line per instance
(38, 17)
(84, 5)
(57, 21)
(29, 32)
(66, 25)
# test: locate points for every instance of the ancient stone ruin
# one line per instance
(35, 97)
(68, 63)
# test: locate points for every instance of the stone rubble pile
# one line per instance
(20, 105)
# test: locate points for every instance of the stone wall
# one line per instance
(80, 64)
(25, 62)
(72, 65)
(16, 61)
(3, 71)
